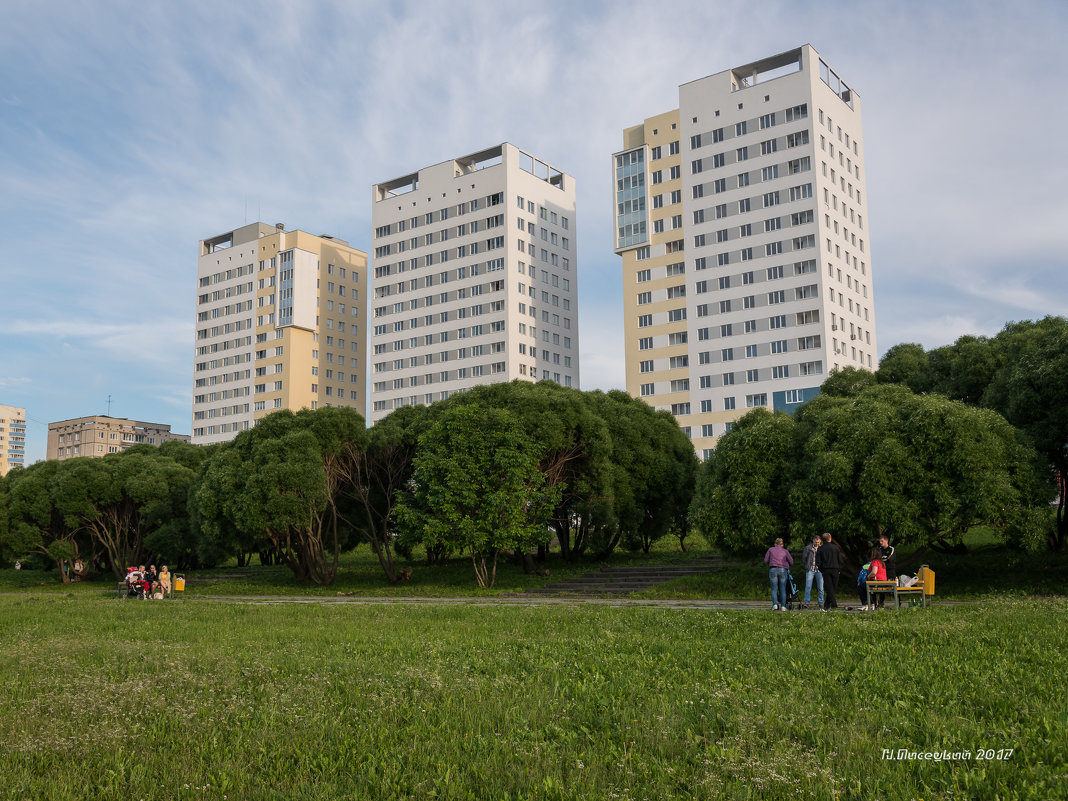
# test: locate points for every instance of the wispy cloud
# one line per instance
(131, 131)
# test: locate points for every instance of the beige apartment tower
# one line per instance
(741, 219)
(474, 278)
(100, 435)
(280, 325)
(12, 438)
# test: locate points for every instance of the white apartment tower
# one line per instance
(280, 325)
(474, 278)
(741, 218)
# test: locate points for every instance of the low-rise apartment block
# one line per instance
(99, 435)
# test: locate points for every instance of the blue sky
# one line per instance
(131, 130)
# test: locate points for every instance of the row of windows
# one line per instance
(439, 215)
(765, 121)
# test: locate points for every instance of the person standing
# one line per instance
(829, 562)
(888, 557)
(779, 560)
(812, 573)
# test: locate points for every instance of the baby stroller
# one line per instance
(135, 584)
(791, 592)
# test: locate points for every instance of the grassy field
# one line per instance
(104, 699)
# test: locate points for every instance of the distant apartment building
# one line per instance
(12, 438)
(474, 278)
(741, 219)
(280, 325)
(100, 435)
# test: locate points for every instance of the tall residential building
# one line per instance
(99, 435)
(12, 438)
(280, 325)
(474, 278)
(741, 221)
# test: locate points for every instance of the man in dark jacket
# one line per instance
(829, 562)
(889, 560)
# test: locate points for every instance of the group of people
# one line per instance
(149, 584)
(823, 561)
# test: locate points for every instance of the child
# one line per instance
(876, 572)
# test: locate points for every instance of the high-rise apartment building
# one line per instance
(474, 278)
(280, 325)
(741, 218)
(99, 435)
(12, 438)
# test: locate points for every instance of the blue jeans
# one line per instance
(777, 575)
(809, 576)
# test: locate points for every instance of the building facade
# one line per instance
(100, 435)
(741, 219)
(12, 438)
(280, 325)
(474, 278)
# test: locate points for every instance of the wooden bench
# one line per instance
(924, 588)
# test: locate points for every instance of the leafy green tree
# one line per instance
(477, 487)
(576, 453)
(847, 382)
(286, 480)
(378, 473)
(652, 477)
(907, 364)
(742, 500)
(1031, 391)
(921, 469)
(35, 524)
(119, 499)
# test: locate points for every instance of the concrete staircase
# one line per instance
(610, 581)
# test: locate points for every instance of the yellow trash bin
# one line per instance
(927, 576)
(179, 583)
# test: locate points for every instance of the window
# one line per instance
(719, 160)
(752, 376)
(680, 385)
(646, 366)
(645, 343)
(740, 129)
(696, 166)
(644, 298)
(797, 139)
(728, 404)
(742, 154)
(676, 172)
(780, 371)
(743, 205)
(680, 408)
(645, 320)
(719, 185)
(643, 275)
(646, 390)
(767, 121)
(756, 400)
(726, 330)
(769, 173)
(743, 179)
(778, 346)
(728, 379)
(726, 355)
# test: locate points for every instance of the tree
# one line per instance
(920, 469)
(1031, 391)
(742, 500)
(119, 499)
(378, 473)
(907, 364)
(286, 480)
(34, 524)
(575, 452)
(477, 487)
(847, 382)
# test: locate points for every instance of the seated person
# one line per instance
(876, 572)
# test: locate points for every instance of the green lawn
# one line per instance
(105, 699)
